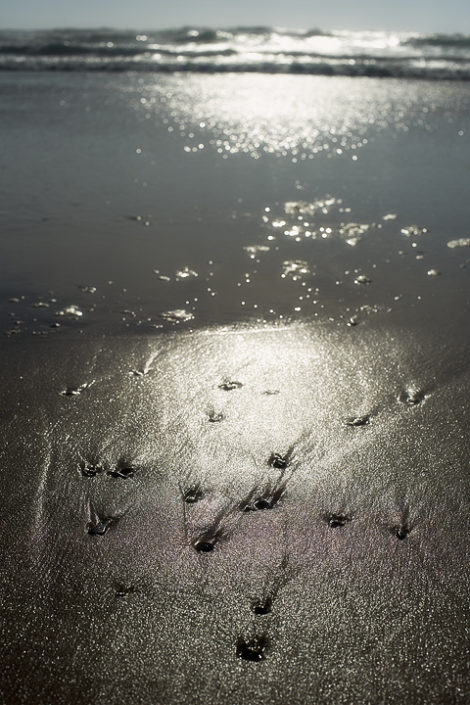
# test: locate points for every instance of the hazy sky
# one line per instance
(415, 15)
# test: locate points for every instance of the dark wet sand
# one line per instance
(252, 516)
(234, 464)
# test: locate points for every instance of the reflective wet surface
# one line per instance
(143, 203)
(279, 553)
(235, 386)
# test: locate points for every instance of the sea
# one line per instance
(241, 49)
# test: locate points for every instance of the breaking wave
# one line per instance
(241, 49)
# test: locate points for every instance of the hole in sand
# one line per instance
(357, 421)
(336, 521)
(90, 469)
(402, 531)
(262, 608)
(123, 590)
(215, 417)
(204, 545)
(252, 649)
(101, 526)
(229, 385)
(278, 461)
(263, 503)
(71, 392)
(258, 504)
(193, 495)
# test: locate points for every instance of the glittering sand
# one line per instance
(235, 383)
(253, 516)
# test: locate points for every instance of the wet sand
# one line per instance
(235, 380)
(241, 516)
(101, 195)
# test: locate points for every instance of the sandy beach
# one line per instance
(255, 515)
(235, 380)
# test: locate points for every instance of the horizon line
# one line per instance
(325, 31)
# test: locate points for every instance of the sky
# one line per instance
(400, 15)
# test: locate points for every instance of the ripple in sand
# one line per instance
(177, 315)
(362, 279)
(413, 230)
(185, 273)
(162, 277)
(255, 250)
(321, 205)
(460, 242)
(269, 498)
(316, 220)
(75, 391)
(353, 232)
(295, 269)
(73, 311)
(124, 472)
(141, 373)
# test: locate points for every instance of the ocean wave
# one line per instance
(455, 41)
(190, 34)
(240, 49)
(357, 69)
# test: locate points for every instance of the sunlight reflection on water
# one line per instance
(288, 116)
